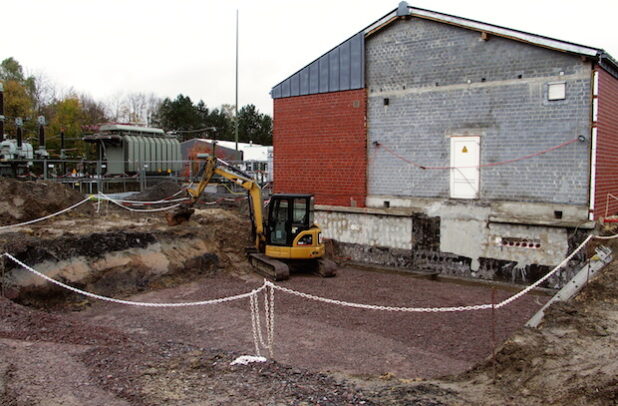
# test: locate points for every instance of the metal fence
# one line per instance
(91, 176)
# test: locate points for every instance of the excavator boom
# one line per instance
(291, 239)
(214, 166)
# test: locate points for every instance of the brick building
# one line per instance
(433, 141)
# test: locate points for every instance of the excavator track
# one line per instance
(269, 267)
(326, 268)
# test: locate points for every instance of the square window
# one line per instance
(556, 91)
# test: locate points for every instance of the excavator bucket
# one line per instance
(179, 215)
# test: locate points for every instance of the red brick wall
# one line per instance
(606, 180)
(320, 147)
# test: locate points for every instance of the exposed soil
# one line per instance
(160, 191)
(22, 201)
(84, 352)
(572, 359)
(116, 252)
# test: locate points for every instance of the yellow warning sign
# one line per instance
(464, 150)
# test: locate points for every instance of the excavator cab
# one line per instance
(293, 240)
(288, 215)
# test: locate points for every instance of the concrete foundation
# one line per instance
(503, 241)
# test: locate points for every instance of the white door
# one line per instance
(465, 160)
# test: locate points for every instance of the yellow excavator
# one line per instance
(286, 239)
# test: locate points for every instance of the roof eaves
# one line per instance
(608, 63)
(523, 36)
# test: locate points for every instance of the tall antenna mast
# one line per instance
(236, 104)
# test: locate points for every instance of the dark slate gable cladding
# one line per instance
(340, 69)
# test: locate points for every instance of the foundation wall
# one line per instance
(457, 239)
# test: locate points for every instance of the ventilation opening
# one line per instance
(386, 101)
(387, 204)
(516, 242)
(558, 214)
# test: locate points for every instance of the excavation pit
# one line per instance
(175, 356)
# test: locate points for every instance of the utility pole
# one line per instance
(1, 112)
(236, 104)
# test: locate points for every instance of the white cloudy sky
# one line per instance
(104, 47)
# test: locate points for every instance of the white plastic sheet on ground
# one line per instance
(247, 359)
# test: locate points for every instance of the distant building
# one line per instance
(128, 149)
(251, 158)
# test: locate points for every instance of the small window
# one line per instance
(300, 211)
(556, 91)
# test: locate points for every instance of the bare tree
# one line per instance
(43, 91)
(116, 108)
(153, 103)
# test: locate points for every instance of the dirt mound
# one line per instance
(23, 201)
(160, 191)
(570, 359)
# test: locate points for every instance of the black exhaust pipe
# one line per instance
(18, 124)
(41, 132)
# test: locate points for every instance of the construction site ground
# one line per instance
(60, 348)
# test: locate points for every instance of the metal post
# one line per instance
(62, 155)
(236, 104)
(493, 331)
(1, 112)
(98, 177)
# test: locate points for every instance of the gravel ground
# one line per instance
(117, 355)
(324, 337)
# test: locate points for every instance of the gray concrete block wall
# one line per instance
(443, 81)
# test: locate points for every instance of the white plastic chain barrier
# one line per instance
(444, 309)
(269, 303)
(550, 273)
(117, 203)
(133, 303)
(378, 307)
(269, 320)
(142, 202)
(48, 216)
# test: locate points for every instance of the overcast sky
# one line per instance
(105, 47)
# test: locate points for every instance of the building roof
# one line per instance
(325, 73)
(130, 128)
(251, 152)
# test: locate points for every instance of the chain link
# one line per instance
(254, 324)
(378, 307)
(48, 216)
(116, 202)
(129, 302)
(269, 320)
(546, 276)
